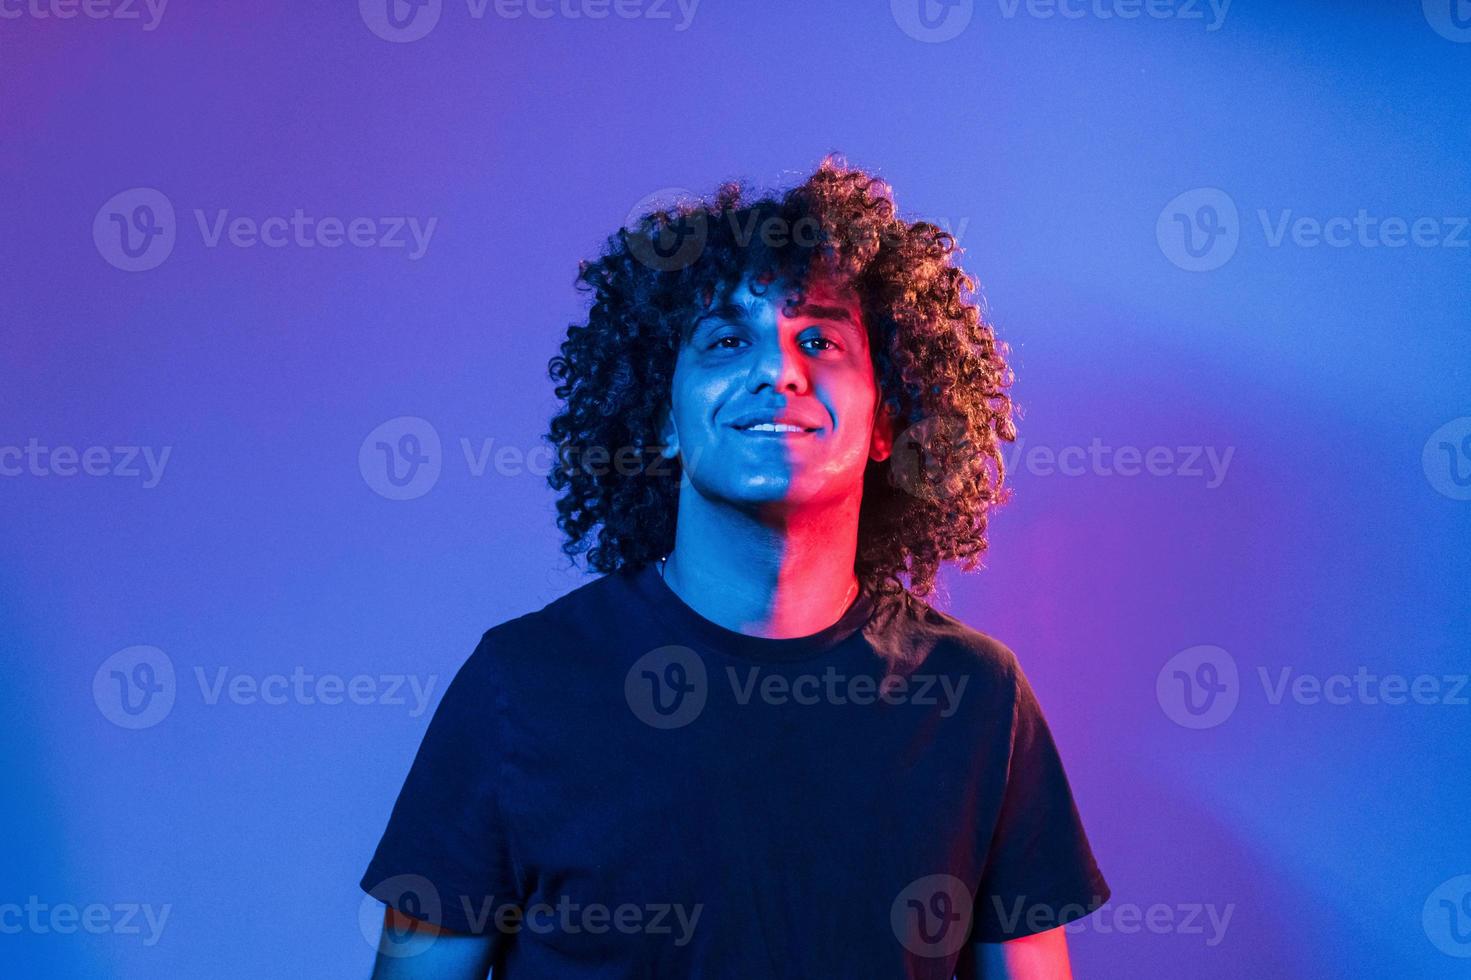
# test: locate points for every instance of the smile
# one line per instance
(774, 429)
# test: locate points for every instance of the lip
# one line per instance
(743, 423)
(780, 434)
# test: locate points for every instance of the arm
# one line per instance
(445, 956)
(1039, 874)
(445, 851)
(1040, 956)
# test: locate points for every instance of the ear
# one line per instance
(881, 444)
(668, 437)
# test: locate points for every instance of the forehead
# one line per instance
(822, 298)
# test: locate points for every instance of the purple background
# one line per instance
(1050, 145)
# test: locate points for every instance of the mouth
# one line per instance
(773, 429)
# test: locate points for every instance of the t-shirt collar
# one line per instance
(650, 587)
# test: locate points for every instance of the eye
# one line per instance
(821, 340)
(720, 342)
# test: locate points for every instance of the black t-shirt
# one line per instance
(616, 787)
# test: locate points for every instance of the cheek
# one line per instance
(697, 395)
(855, 398)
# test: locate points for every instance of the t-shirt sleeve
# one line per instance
(445, 857)
(1039, 872)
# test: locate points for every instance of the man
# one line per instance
(749, 749)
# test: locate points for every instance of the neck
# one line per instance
(769, 574)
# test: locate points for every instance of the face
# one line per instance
(776, 405)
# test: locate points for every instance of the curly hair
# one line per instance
(938, 367)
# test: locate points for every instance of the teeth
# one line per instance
(774, 427)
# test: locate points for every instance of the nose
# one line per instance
(778, 363)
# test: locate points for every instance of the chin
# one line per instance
(775, 493)
(747, 488)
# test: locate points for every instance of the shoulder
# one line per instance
(917, 631)
(587, 603)
(569, 622)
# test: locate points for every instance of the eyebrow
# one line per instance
(816, 311)
(819, 312)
